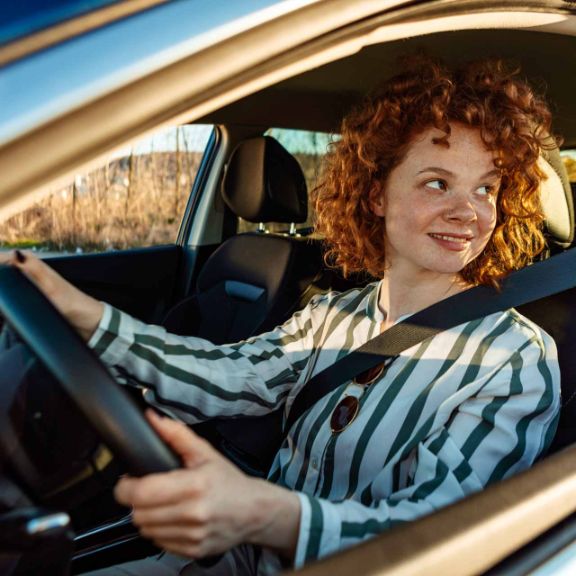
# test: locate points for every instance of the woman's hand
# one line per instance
(81, 310)
(209, 506)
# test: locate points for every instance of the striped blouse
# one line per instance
(467, 407)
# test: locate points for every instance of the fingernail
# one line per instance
(20, 257)
(153, 414)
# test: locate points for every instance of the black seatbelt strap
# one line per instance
(542, 279)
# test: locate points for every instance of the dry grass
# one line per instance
(133, 201)
(570, 164)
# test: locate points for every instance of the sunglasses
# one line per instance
(347, 409)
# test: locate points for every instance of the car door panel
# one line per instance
(140, 281)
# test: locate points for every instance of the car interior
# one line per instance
(219, 284)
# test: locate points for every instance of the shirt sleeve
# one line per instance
(500, 430)
(199, 380)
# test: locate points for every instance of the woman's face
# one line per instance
(439, 203)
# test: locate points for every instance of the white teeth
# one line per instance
(450, 238)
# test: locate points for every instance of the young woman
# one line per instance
(433, 188)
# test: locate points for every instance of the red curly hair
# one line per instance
(514, 123)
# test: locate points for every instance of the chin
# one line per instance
(448, 267)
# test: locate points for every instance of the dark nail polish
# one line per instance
(20, 257)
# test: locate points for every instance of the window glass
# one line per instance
(309, 148)
(569, 158)
(135, 198)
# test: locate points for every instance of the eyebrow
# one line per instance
(445, 172)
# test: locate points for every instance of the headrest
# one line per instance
(556, 197)
(264, 183)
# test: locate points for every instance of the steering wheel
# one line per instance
(83, 376)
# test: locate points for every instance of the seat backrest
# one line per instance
(557, 314)
(254, 281)
(557, 201)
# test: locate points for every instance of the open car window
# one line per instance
(135, 198)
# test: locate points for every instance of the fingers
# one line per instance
(184, 536)
(193, 449)
(171, 510)
(41, 274)
(33, 267)
(13, 258)
(178, 485)
(81, 310)
(177, 516)
(192, 511)
(160, 489)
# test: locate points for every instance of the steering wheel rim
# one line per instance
(84, 377)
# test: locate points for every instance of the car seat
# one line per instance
(557, 314)
(255, 280)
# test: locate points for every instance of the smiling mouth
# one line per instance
(450, 238)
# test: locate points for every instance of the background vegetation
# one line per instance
(570, 163)
(133, 201)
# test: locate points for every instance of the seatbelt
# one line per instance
(520, 287)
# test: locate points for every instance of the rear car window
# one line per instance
(569, 159)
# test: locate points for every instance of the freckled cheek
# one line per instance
(487, 220)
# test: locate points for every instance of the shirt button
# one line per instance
(314, 463)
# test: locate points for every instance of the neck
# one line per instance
(400, 296)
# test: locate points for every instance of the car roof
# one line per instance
(317, 99)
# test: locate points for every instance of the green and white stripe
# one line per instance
(470, 406)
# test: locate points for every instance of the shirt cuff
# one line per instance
(319, 533)
(109, 341)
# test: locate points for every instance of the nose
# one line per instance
(460, 209)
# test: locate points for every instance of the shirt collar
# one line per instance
(372, 309)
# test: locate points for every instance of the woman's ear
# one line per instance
(378, 200)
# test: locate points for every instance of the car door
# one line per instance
(113, 231)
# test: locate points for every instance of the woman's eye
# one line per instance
(487, 190)
(436, 184)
